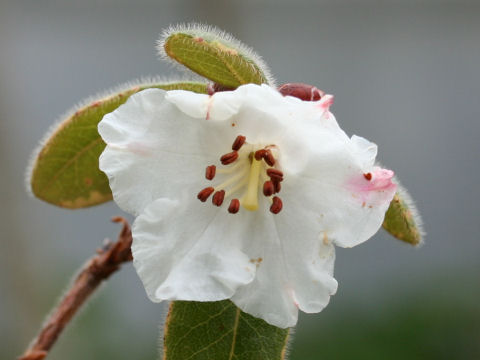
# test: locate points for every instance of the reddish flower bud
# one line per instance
(302, 91)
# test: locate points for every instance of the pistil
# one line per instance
(250, 200)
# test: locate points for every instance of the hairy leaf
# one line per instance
(220, 331)
(65, 170)
(215, 56)
(402, 219)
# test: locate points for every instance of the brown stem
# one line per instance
(91, 275)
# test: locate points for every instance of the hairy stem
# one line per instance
(91, 275)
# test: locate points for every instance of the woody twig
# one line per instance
(91, 275)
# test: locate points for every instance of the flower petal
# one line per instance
(156, 149)
(366, 150)
(332, 181)
(144, 158)
(225, 104)
(219, 106)
(182, 256)
(294, 269)
(269, 265)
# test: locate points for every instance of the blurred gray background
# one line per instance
(405, 75)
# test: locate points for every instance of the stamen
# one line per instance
(276, 205)
(232, 168)
(268, 188)
(264, 177)
(218, 197)
(259, 154)
(229, 158)
(205, 193)
(210, 172)
(275, 174)
(277, 186)
(268, 157)
(249, 172)
(239, 141)
(232, 179)
(368, 176)
(234, 206)
(237, 186)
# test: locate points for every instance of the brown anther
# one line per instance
(368, 176)
(277, 186)
(259, 154)
(210, 172)
(268, 157)
(268, 188)
(205, 193)
(276, 205)
(238, 143)
(218, 197)
(229, 158)
(234, 206)
(275, 174)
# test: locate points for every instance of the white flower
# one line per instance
(291, 185)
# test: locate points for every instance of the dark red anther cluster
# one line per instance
(270, 187)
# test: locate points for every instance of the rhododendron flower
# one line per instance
(241, 195)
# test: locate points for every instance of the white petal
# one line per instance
(154, 150)
(190, 255)
(331, 183)
(294, 268)
(219, 106)
(366, 151)
(269, 265)
(203, 257)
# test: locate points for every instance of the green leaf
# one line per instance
(215, 55)
(220, 331)
(402, 219)
(65, 170)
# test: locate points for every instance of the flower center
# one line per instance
(248, 170)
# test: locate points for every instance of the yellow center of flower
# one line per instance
(248, 169)
(250, 199)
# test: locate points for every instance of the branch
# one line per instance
(91, 275)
